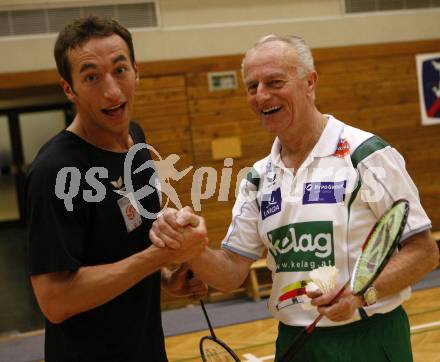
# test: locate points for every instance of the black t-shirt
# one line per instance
(66, 233)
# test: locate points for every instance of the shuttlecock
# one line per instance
(306, 305)
(311, 287)
(325, 278)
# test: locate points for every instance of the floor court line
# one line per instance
(425, 327)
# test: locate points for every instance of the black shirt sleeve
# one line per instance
(55, 235)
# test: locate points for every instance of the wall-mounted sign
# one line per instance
(226, 147)
(222, 80)
(428, 73)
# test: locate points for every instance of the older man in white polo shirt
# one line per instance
(312, 202)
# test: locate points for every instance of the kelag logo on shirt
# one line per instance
(271, 203)
(324, 192)
(302, 246)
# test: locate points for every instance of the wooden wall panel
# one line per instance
(388, 116)
(222, 117)
(215, 115)
(368, 88)
(23, 80)
(380, 94)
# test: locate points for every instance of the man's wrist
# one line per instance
(165, 275)
(359, 301)
(162, 256)
(370, 296)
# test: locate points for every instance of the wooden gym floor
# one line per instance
(254, 341)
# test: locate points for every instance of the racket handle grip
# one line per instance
(312, 326)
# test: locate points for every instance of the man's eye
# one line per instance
(121, 70)
(252, 88)
(277, 83)
(90, 78)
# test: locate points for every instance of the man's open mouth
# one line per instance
(271, 110)
(113, 110)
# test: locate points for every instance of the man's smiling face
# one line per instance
(277, 91)
(104, 82)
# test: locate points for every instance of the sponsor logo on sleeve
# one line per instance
(324, 192)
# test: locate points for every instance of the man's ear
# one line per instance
(136, 72)
(68, 91)
(312, 80)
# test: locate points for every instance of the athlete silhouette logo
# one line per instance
(167, 170)
(159, 180)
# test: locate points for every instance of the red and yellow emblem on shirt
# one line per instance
(292, 294)
(342, 149)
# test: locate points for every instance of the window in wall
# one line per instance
(361, 6)
(9, 209)
(22, 133)
(51, 20)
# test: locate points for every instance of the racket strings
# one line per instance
(380, 246)
(213, 351)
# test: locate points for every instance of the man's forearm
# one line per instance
(221, 269)
(65, 294)
(417, 257)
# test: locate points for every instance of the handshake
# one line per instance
(181, 233)
(180, 236)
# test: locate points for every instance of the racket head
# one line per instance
(379, 246)
(214, 350)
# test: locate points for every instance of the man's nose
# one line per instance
(262, 94)
(112, 90)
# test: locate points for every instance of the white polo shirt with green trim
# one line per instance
(320, 214)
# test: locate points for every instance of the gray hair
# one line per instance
(296, 43)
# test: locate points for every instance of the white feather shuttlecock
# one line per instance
(311, 287)
(306, 305)
(325, 278)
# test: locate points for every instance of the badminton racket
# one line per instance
(213, 349)
(377, 249)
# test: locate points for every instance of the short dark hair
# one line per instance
(78, 32)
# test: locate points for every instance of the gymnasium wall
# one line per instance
(373, 87)
(367, 74)
(194, 28)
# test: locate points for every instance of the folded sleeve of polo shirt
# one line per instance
(242, 237)
(385, 180)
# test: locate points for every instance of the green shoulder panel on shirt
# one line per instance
(253, 177)
(366, 148)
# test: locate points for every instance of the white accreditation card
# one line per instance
(131, 217)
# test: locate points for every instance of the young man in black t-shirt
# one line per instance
(94, 271)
